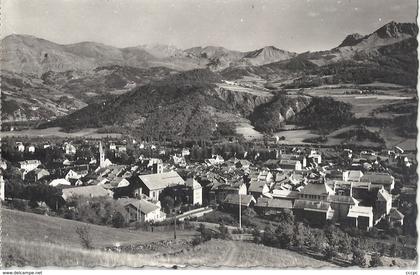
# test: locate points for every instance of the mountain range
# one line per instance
(116, 86)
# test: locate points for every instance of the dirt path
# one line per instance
(231, 255)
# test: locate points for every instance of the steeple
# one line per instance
(101, 155)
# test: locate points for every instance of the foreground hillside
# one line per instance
(36, 240)
(28, 227)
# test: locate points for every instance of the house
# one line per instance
(151, 185)
(295, 157)
(383, 203)
(29, 165)
(214, 160)
(185, 152)
(286, 164)
(89, 191)
(57, 182)
(264, 206)
(35, 175)
(197, 191)
(232, 202)
(313, 211)
(20, 147)
(69, 148)
(265, 175)
(76, 173)
(141, 210)
(378, 179)
(315, 156)
(396, 218)
(352, 175)
(258, 188)
(360, 217)
(31, 149)
(3, 164)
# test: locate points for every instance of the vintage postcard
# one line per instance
(209, 134)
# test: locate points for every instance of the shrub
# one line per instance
(85, 237)
(118, 220)
(375, 261)
(329, 252)
(358, 257)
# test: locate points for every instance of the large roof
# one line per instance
(144, 206)
(320, 206)
(356, 211)
(317, 189)
(381, 178)
(234, 199)
(274, 203)
(256, 186)
(162, 180)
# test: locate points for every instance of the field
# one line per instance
(28, 227)
(56, 132)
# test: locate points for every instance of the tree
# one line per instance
(329, 252)
(224, 232)
(358, 257)
(168, 203)
(118, 220)
(375, 260)
(285, 234)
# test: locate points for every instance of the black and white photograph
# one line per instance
(209, 134)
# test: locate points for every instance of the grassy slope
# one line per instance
(23, 226)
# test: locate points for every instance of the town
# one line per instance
(242, 186)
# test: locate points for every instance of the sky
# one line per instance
(295, 25)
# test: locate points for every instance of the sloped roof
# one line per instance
(279, 193)
(273, 203)
(317, 189)
(234, 199)
(321, 206)
(394, 214)
(144, 206)
(356, 211)
(257, 186)
(380, 178)
(343, 199)
(162, 180)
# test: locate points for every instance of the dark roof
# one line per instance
(317, 189)
(234, 199)
(378, 178)
(394, 214)
(322, 206)
(256, 186)
(273, 203)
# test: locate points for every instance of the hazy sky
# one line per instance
(296, 25)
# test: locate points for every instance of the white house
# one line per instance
(20, 147)
(141, 210)
(29, 165)
(57, 182)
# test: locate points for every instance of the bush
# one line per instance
(329, 253)
(358, 258)
(224, 232)
(376, 261)
(118, 220)
(85, 237)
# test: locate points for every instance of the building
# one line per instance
(58, 182)
(35, 175)
(232, 202)
(258, 188)
(266, 206)
(197, 191)
(29, 165)
(153, 184)
(379, 179)
(352, 175)
(360, 217)
(141, 210)
(286, 164)
(69, 149)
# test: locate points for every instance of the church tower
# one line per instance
(101, 155)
